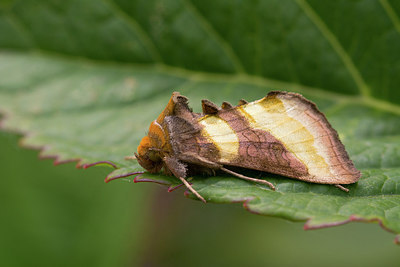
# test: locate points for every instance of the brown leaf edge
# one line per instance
(139, 178)
(307, 226)
(4, 117)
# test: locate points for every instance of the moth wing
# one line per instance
(241, 145)
(185, 137)
(237, 144)
(306, 133)
(283, 133)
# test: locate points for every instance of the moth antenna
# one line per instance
(342, 188)
(209, 107)
(242, 102)
(226, 105)
(249, 178)
(192, 189)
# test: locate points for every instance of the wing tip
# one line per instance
(347, 168)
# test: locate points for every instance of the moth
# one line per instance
(282, 133)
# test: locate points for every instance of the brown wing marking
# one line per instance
(305, 132)
(186, 137)
(226, 105)
(209, 107)
(260, 150)
(327, 140)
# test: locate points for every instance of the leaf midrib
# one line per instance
(199, 76)
(391, 14)
(337, 47)
(347, 61)
(151, 48)
(365, 91)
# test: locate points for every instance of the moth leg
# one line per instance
(179, 169)
(249, 178)
(342, 188)
(192, 189)
(196, 159)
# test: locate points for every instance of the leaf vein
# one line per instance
(20, 26)
(391, 13)
(137, 28)
(233, 78)
(334, 42)
(208, 27)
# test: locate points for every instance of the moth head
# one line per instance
(150, 150)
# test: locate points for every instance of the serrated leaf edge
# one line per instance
(307, 226)
(43, 148)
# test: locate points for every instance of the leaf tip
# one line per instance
(103, 162)
(397, 240)
(63, 161)
(186, 194)
(310, 225)
(111, 178)
(172, 188)
(246, 205)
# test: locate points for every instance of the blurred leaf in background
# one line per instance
(83, 80)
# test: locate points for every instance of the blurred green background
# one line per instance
(63, 216)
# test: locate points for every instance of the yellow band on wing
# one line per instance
(271, 115)
(218, 131)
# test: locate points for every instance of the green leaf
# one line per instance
(49, 214)
(84, 79)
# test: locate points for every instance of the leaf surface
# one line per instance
(84, 79)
